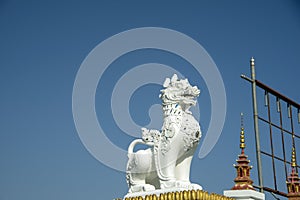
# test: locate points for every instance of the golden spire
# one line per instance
(242, 136)
(293, 158)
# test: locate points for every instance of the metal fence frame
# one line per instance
(280, 100)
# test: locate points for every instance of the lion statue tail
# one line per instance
(135, 142)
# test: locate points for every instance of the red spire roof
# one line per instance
(293, 183)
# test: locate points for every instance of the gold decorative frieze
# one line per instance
(183, 195)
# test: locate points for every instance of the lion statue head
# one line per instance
(179, 91)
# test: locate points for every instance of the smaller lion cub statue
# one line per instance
(166, 163)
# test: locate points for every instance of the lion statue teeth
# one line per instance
(166, 163)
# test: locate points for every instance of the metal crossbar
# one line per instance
(291, 106)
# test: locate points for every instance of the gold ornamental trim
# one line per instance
(183, 195)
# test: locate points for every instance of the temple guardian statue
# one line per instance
(166, 163)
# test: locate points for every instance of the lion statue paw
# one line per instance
(142, 187)
(188, 185)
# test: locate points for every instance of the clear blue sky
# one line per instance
(43, 43)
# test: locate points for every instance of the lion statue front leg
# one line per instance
(173, 165)
(182, 172)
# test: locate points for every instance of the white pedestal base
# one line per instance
(244, 194)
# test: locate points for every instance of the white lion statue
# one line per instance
(166, 164)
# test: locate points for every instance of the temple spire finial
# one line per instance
(242, 134)
(293, 163)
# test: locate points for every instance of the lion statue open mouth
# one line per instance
(166, 163)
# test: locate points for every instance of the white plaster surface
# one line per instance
(244, 194)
